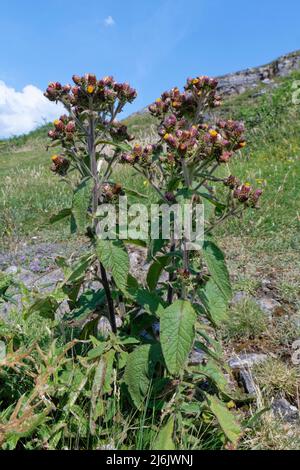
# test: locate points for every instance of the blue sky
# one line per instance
(152, 44)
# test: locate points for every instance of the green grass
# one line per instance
(245, 321)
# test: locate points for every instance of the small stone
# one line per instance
(156, 329)
(239, 297)
(246, 380)
(268, 305)
(244, 361)
(104, 327)
(197, 356)
(11, 270)
(283, 409)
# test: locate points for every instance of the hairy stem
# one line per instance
(95, 200)
(171, 274)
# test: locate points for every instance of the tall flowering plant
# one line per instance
(88, 128)
(164, 354)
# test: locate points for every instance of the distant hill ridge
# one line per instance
(238, 82)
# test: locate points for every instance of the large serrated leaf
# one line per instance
(155, 271)
(45, 307)
(164, 440)
(114, 257)
(88, 302)
(226, 419)
(150, 301)
(214, 259)
(80, 205)
(139, 371)
(60, 216)
(214, 302)
(177, 333)
(79, 269)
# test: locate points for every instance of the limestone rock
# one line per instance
(245, 361)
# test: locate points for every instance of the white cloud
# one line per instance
(109, 21)
(23, 111)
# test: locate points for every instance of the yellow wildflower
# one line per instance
(90, 89)
(213, 132)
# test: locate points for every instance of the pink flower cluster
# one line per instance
(200, 90)
(139, 154)
(60, 165)
(64, 129)
(244, 193)
(103, 92)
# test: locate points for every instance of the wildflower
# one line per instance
(91, 79)
(169, 195)
(59, 125)
(76, 79)
(71, 127)
(90, 89)
(242, 193)
(254, 197)
(213, 133)
(60, 164)
(225, 157)
(232, 182)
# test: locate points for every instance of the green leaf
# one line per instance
(114, 257)
(150, 301)
(141, 243)
(139, 371)
(214, 259)
(214, 302)
(98, 382)
(164, 440)
(80, 205)
(133, 192)
(155, 246)
(87, 303)
(177, 333)
(155, 271)
(109, 358)
(212, 200)
(45, 307)
(61, 215)
(97, 351)
(79, 269)
(122, 146)
(226, 419)
(213, 371)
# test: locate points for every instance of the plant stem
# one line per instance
(95, 200)
(171, 274)
(206, 177)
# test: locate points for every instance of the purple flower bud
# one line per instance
(71, 127)
(76, 79)
(170, 121)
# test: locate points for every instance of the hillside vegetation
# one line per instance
(262, 249)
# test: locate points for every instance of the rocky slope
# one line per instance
(239, 82)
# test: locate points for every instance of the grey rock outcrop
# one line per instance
(238, 82)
